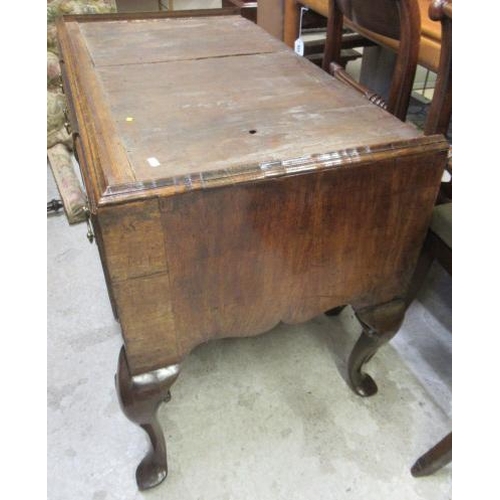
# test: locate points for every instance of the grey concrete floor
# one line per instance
(268, 417)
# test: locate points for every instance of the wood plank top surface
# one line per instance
(144, 41)
(191, 95)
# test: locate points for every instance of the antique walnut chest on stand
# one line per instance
(233, 185)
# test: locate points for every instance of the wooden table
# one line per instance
(430, 41)
(233, 185)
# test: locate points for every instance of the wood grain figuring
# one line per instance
(130, 233)
(159, 109)
(291, 113)
(149, 328)
(325, 204)
(105, 154)
(110, 151)
(174, 39)
(240, 259)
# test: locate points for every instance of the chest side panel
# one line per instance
(252, 256)
(237, 260)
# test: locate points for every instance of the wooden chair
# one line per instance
(439, 113)
(438, 243)
(437, 246)
(395, 19)
(430, 31)
(248, 8)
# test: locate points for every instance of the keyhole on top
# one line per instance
(253, 131)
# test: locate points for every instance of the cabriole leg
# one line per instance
(140, 397)
(380, 323)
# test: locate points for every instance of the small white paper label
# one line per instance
(153, 162)
(299, 46)
(299, 43)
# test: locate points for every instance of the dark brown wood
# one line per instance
(380, 323)
(140, 397)
(254, 267)
(334, 29)
(439, 114)
(248, 8)
(430, 39)
(434, 459)
(338, 71)
(351, 40)
(437, 246)
(145, 15)
(234, 185)
(396, 19)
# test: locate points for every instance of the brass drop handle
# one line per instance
(67, 123)
(90, 231)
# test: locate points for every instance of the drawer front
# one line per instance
(83, 165)
(71, 121)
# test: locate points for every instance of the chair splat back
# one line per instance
(397, 19)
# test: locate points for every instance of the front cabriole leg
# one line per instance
(140, 397)
(380, 323)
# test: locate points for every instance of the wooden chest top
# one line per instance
(174, 104)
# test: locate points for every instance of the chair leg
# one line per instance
(434, 459)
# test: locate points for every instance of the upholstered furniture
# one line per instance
(59, 141)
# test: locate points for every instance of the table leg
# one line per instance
(140, 397)
(380, 323)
